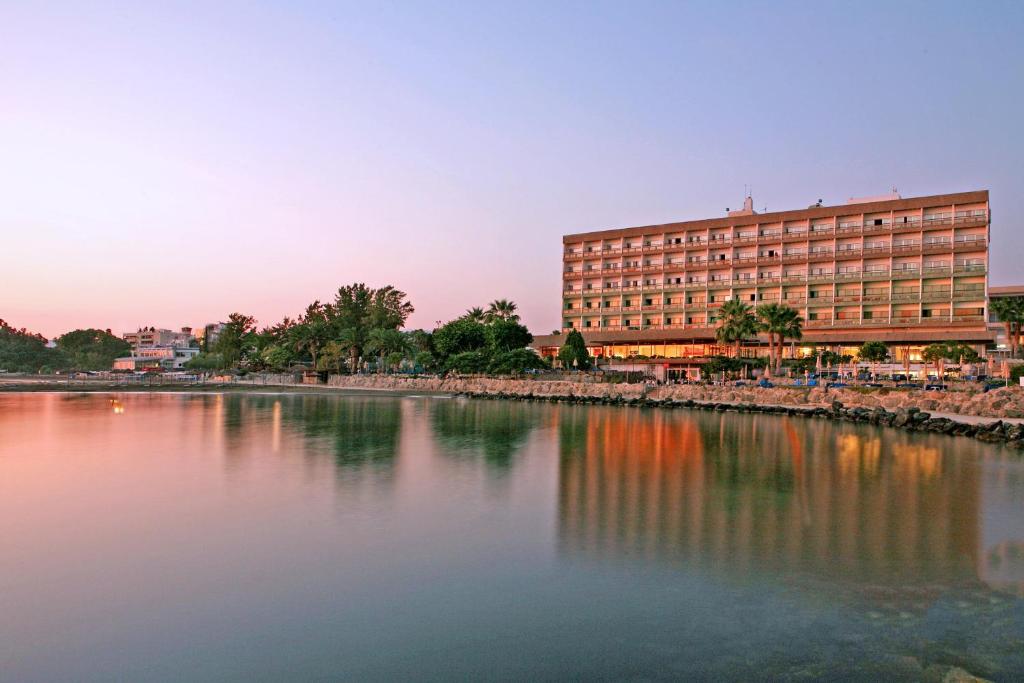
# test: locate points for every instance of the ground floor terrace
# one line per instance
(683, 354)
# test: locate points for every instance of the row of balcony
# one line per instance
(777, 235)
(854, 252)
(822, 277)
(817, 323)
(802, 301)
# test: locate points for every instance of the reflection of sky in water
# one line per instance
(208, 536)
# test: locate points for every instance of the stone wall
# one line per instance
(1008, 402)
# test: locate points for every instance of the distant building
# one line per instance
(151, 337)
(164, 357)
(209, 335)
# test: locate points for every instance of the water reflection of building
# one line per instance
(745, 494)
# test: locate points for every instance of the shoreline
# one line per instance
(992, 429)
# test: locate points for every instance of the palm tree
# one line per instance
(385, 342)
(736, 322)
(312, 332)
(476, 314)
(501, 309)
(1010, 311)
(781, 323)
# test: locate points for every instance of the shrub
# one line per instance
(468, 362)
(1016, 372)
(512, 362)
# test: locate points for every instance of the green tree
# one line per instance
(333, 356)
(736, 322)
(237, 339)
(426, 360)
(573, 353)
(358, 309)
(276, 357)
(24, 351)
(501, 309)
(962, 353)
(934, 353)
(476, 314)
(421, 341)
(458, 336)
(721, 364)
(468, 362)
(780, 322)
(385, 343)
(206, 360)
(1010, 311)
(313, 331)
(873, 352)
(92, 349)
(505, 334)
(515, 362)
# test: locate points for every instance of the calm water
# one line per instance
(184, 537)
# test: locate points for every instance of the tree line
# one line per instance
(88, 349)
(361, 329)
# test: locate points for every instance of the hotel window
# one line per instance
(568, 306)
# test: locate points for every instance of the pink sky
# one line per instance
(167, 167)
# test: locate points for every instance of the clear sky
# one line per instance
(168, 164)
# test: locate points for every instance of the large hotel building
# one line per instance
(904, 271)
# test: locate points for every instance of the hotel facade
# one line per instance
(905, 271)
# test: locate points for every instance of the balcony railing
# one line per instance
(963, 221)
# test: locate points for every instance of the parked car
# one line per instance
(765, 384)
(837, 385)
(908, 385)
(873, 385)
(935, 387)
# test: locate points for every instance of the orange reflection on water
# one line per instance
(755, 492)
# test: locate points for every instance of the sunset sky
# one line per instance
(168, 165)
